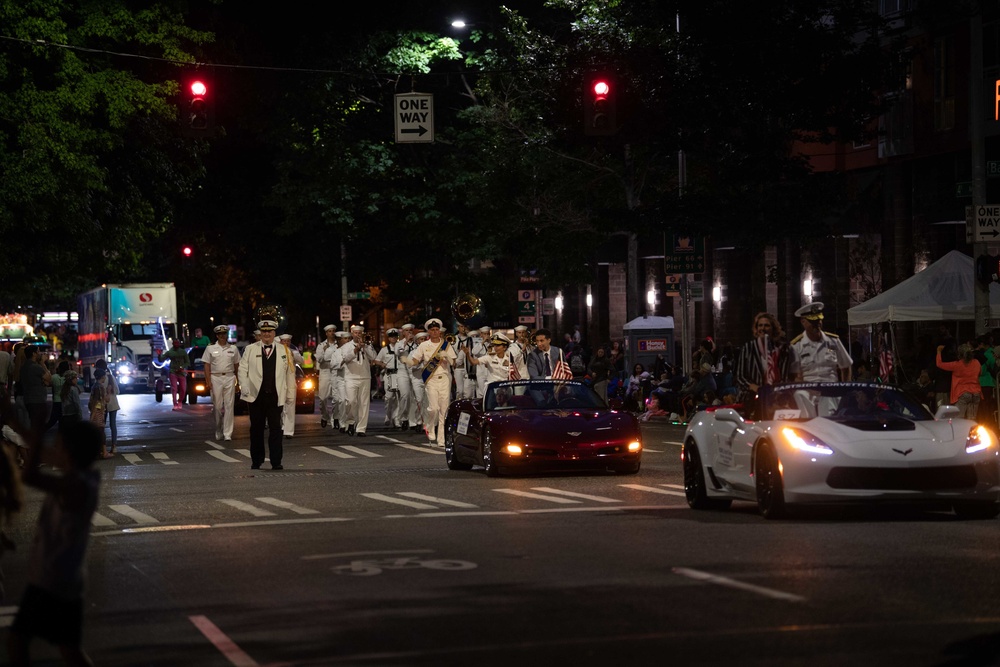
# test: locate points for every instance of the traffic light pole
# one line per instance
(977, 105)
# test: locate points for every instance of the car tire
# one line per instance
(695, 487)
(450, 455)
(977, 510)
(492, 469)
(770, 490)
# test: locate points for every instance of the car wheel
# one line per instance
(695, 489)
(770, 491)
(977, 510)
(492, 469)
(450, 455)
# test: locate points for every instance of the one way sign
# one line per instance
(987, 227)
(414, 118)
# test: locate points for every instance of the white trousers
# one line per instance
(325, 394)
(223, 398)
(358, 402)
(403, 381)
(338, 398)
(465, 387)
(288, 418)
(438, 398)
(418, 407)
(391, 384)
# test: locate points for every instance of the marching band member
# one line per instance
(357, 357)
(389, 362)
(338, 386)
(324, 355)
(288, 414)
(435, 359)
(404, 380)
(522, 345)
(465, 374)
(267, 379)
(418, 408)
(480, 347)
(222, 361)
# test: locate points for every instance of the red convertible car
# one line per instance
(530, 425)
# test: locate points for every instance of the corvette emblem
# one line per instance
(574, 433)
(900, 451)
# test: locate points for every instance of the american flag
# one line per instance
(513, 373)
(562, 370)
(885, 364)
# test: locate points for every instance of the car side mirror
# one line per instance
(728, 415)
(947, 412)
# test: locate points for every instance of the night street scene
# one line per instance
(541, 332)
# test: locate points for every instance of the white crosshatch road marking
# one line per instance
(246, 507)
(134, 514)
(287, 505)
(399, 501)
(433, 499)
(536, 496)
(573, 494)
(362, 452)
(222, 457)
(134, 459)
(652, 489)
(334, 452)
(164, 459)
(101, 521)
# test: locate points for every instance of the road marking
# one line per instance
(385, 437)
(334, 452)
(134, 514)
(134, 459)
(351, 554)
(164, 459)
(433, 499)
(732, 583)
(652, 489)
(399, 501)
(214, 444)
(573, 494)
(425, 450)
(672, 442)
(288, 506)
(101, 521)
(222, 457)
(246, 507)
(674, 486)
(279, 522)
(233, 653)
(536, 496)
(246, 453)
(363, 452)
(654, 451)
(176, 429)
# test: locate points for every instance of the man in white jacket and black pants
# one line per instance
(267, 382)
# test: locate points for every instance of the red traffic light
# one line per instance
(187, 250)
(198, 88)
(599, 113)
(601, 88)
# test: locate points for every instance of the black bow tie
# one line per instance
(267, 347)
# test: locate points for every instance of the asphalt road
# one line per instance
(371, 552)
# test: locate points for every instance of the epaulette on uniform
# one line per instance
(797, 338)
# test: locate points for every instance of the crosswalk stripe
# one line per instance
(246, 453)
(288, 506)
(222, 457)
(134, 459)
(246, 507)
(214, 444)
(363, 452)
(164, 459)
(176, 429)
(573, 494)
(399, 501)
(674, 486)
(652, 489)
(536, 496)
(425, 450)
(134, 514)
(335, 452)
(100, 521)
(432, 499)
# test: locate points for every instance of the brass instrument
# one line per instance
(368, 339)
(272, 311)
(450, 338)
(466, 307)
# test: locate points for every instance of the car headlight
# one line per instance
(980, 438)
(805, 442)
(307, 384)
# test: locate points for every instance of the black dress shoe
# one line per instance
(289, 436)
(255, 466)
(322, 423)
(336, 424)
(405, 425)
(361, 434)
(418, 428)
(278, 467)
(350, 430)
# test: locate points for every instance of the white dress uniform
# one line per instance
(437, 386)
(418, 400)
(288, 414)
(480, 348)
(496, 369)
(338, 385)
(222, 361)
(404, 382)
(387, 356)
(819, 360)
(465, 386)
(324, 355)
(356, 360)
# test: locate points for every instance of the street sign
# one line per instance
(993, 168)
(685, 254)
(414, 116)
(526, 295)
(549, 305)
(963, 189)
(987, 223)
(359, 295)
(345, 313)
(525, 319)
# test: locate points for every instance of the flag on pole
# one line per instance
(562, 370)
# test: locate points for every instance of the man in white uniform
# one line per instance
(390, 366)
(465, 381)
(338, 391)
(434, 359)
(356, 357)
(404, 380)
(288, 414)
(222, 361)
(480, 347)
(324, 355)
(822, 357)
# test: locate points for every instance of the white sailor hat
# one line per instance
(811, 311)
(520, 327)
(285, 336)
(357, 328)
(406, 327)
(256, 332)
(433, 322)
(222, 328)
(500, 339)
(330, 327)
(392, 332)
(267, 325)
(342, 334)
(422, 334)
(484, 329)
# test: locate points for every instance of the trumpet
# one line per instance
(368, 339)
(450, 338)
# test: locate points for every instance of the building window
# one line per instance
(894, 7)
(944, 83)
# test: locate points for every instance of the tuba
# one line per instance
(272, 311)
(467, 308)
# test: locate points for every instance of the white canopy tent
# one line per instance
(945, 290)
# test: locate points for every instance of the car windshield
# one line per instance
(540, 395)
(195, 354)
(841, 401)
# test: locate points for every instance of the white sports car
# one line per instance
(812, 443)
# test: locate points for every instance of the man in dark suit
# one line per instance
(543, 357)
(267, 382)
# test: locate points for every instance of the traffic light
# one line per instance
(187, 251)
(599, 105)
(987, 269)
(196, 111)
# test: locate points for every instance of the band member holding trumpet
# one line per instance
(436, 357)
(388, 361)
(500, 364)
(404, 380)
(356, 359)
